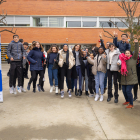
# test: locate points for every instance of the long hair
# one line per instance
(34, 45)
(80, 51)
(50, 50)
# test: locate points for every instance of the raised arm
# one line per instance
(135, 55)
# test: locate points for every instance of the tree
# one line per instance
(3, 20)
(131, 22)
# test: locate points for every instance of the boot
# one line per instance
(80, 92)
(76, 94)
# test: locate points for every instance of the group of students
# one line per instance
(114, 62)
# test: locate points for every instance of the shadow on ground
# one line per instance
(63, 131)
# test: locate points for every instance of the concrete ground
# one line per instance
(45, 116)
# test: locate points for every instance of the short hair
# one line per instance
(15, 35)
(25, 43)
(129, 51)
(33, 42)
(21, 40)
(111, 44)
(125, 35)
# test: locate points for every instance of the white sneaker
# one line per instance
(97, 97)
(56, 90)
(69, 92)
(62, 94)
(22, 89)
(11, 90)
(15, 92)
(19, 89)
(101, 98)
(51, 89)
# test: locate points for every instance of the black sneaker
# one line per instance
(42, 89)
(135, 98)
(86, 92)
(34, 90)
(76, 94)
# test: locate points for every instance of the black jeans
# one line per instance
(115, 77)
(34, 76)
(64, 71)
(15, 70)
(91, 84)
(26, 69)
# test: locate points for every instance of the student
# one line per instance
(25, 68)
(25, 63)
(105, 48)
(91, 79)
(112, 70)
(66, 62)
(138, 75)
(16, 53)
(21, 40)
(99, 70)
(122, 45)
(128, 74)
(36, 58)
(79, 68)
(86, 69)
(52, 59)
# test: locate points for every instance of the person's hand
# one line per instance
(23, 57)
(104, 55)
(118, 64)
(54, 60)
(119, 71)
(45, 62)
(127, 41)
(11, 59)
(100, 35)
(136, 40)
(115, 34)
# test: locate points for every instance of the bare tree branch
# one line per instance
(123, 21)
(3, 20)
(107, 36)
(11, 31)
(1, 1)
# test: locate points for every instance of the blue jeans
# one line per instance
(52, 73)
(127, 92)
(86, 81)
(105, 80)
(99, 81)
(79, 73)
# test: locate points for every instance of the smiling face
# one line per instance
(101, 50)
(127, 53)
(54, 49)
(25, 47)
(77, 47)
(37, 45)
(91, 56)
(84, 53)
(16, 38)
(65, 48)
(124, 37)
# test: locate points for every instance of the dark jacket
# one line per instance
(36, 57)
(82, 65)
(121, 46)
(55, 64)
(131, 78)
(16, 51)
(102, 44)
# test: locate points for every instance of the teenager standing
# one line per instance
(16, 53)
(99, 70)
(112, 70)
(36, 59)
(79, 68)
(52, 60)
(128, 74)
(66, 62)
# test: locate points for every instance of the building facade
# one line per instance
(60, 21)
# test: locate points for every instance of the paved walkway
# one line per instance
(42, 116)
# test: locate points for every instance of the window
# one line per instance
(22, 21)
(43, 21)
(119, 23)
(9, 20)
(104, 22)
(56, 21)
(73, 21)
(89, 22)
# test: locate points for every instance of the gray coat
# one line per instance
(16, 50)
(115, 60)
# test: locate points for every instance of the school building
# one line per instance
(60, 21)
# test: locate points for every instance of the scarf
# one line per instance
(123, 59)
